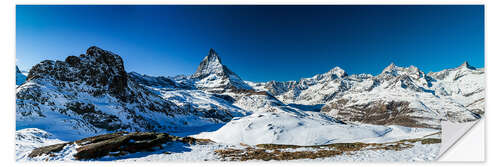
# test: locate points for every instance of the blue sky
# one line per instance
(259, 43)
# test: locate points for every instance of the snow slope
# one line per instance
(28, 139)
(31, 138)
(453, 94)
(93, 94)
(311, 129)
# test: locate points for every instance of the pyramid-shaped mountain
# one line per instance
(214, 76)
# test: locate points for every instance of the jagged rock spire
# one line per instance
(211, 64)
(211, 74)
(467, 65)
(17, 70)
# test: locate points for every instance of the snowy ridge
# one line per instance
(212, 75)
(452, 94)
(93, 94)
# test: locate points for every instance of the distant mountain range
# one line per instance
(93, 94)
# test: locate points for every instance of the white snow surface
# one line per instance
(31, 138)
(292, 113)
(310, 128)
(28, 139)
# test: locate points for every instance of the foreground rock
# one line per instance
(116, 144)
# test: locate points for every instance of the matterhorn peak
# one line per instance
(212, 74)
(211, 64)
(466, 65)
(212, 52)
(213, 56)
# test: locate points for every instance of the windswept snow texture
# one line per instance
(93, 94)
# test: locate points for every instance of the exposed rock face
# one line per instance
(300, 91)
(93, 93)
(409, 97)
(212, 75)
(116, 144)
(160, 81)
(120, 142)
(211, 64)
(47, 150)
(98, 68)
(453, 94)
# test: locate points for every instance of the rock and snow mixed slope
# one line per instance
(397, 96)
(20, 77)
(30, 138)
(93, 94)
(163, 147)
(212, 75)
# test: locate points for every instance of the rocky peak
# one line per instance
(213, 75)
(393, 70)
(390, 67)
(337, 71)
(466, 65)
(211, 64)
(98, 68)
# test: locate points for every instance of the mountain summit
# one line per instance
(212, 64)
(212, 75)
(467, 65)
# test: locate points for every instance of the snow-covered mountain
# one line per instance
(93, 94)
(398, 95)
(212, 75)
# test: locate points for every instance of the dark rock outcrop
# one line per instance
(117, 144)
(98, 68)
(76, 86)
(47, 150)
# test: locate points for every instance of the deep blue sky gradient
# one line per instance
(259, 43)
